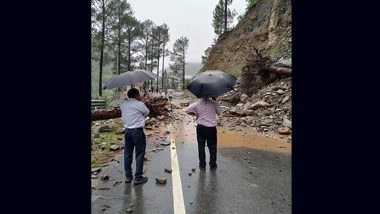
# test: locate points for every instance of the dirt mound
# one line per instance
(266, 26)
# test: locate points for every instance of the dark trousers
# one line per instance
(208, 134)
(134, 138)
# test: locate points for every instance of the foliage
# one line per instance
(178, 56)
(218, 17)
(187, 82)
(250, 4)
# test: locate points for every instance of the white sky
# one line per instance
(190, 18)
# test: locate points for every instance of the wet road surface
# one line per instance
(253, 176)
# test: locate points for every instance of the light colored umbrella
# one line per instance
(129, 78)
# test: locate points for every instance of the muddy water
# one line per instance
(184, 131)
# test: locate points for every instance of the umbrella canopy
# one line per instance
(211, 83)
(129, 78)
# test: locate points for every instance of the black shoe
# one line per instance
(129, 180)
(140, 180)
(213, 167)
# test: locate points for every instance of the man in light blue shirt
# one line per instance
(133, 112)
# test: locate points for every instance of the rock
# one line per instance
(165, 143)
(120, 131)
(244, 98)
(129, 210)
(105, 128)
(232, 110)
(287, 122)
(287, 63)
(240, 109)
(105, 177)
(95, 170)
(156, 126)
(231, 128)
(96, 135)
(167, 132)
(152, 120)
(168, 170)
(114, 147)
(193, 169)
(184, 104)
(267, 122)
(280, 91)
(259, 104)
(249, 112)
(161, 180)
(97, 124)
(161, 117)
(284, 130)
(285, 99)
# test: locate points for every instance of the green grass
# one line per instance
(106, 139)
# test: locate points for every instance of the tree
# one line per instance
(119, 10)
(143, 45)
(165, 52)
(222, 17)
(133, 31)
(160, 37)
(178, 56)
(99, 26)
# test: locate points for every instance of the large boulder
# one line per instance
(243, 98)
(106, 128)
(240, 109)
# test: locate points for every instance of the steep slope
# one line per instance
(266, 26)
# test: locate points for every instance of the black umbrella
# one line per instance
(211, 83)
(129, 78)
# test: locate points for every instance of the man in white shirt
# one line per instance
(133, 112)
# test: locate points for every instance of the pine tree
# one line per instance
(100, 18)
(178, 57)
(222, 17)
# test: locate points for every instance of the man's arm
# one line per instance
(218, 109)
(144, 110)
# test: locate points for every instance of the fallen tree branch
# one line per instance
(280, 70)
(155, 106)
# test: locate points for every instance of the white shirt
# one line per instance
(133, 113)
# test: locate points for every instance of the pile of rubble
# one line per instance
(268, 110)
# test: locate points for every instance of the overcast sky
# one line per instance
(190, 18)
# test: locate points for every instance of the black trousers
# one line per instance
(208, 134)
(134, 138)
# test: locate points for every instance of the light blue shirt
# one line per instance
(133, 113)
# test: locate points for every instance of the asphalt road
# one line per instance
(248, 179)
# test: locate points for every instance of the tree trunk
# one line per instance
(163, 65)
(280, 70)
(151, 63)
(101, 52)
(158, 65)
(118, 53)
(225, 15)
(129, 51)
(183, 68)
(146, 53)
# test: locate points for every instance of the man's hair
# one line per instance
(133, 92)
